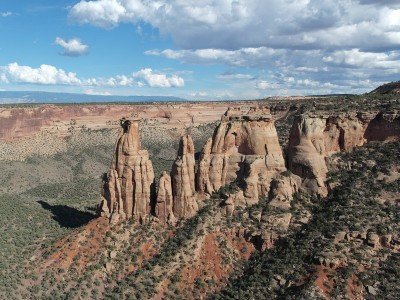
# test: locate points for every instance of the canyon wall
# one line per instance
(315, 137)
(22, 122)
(244, 149)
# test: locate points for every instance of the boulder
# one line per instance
(373, 239)
(371, 290)
(282, 190)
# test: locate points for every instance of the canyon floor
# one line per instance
(54, 246)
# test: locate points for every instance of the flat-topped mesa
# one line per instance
(183, 180)
(315, 137)
(244, 147)
(128, 186)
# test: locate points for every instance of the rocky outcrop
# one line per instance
(183, 180)
(244, 148)
(282, 190)
(385, 126)
(315, 137)
(164, 206)
(312, 138)
(232, 199)
(128, 186)
(203, 182)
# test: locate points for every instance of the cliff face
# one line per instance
(183, 180)
(385, 126)
(315, 137)
(22, 122)
(244, 147)
(128, 187)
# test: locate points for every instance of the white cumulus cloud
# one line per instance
(243, 57)
(45, 74)
(91, 91)
(73, 47)
(234, 24)
(366, 60)
(324, 41)
(50, 75)
(153, 79)
(103, 13)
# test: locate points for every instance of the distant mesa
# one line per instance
(8, 97)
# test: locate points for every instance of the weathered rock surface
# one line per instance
(233, 199)
(282, 190)
(385, 126)
(244, 148)
(22, 122)
(278, 222)
(164, 206)
(183, 180)
(315, 137)
(128, 186)
(373, 239)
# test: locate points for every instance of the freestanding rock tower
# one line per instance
(183, 180)
(128, 188)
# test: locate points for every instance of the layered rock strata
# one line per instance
(244, 148)
(315, 137)
(128, 187)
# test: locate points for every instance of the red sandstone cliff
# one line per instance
(315, 137)
(244, 147)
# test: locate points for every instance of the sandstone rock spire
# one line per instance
(128, 186)
(164, 206)
(183, 180)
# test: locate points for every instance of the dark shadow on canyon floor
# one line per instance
(68, 216)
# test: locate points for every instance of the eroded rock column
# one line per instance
(128, 187)
(183, 180)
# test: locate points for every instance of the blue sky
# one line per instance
(204, 49)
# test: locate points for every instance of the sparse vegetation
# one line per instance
(52, 248)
